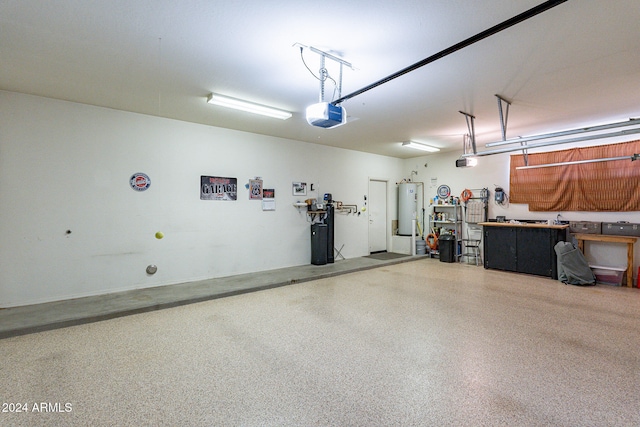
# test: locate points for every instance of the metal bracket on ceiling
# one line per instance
(323, 72)
(466, 144)
(525, 153)
(504, 117)
(472, 130)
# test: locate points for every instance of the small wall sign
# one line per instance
(140, 181)
(269, 199)
(255, 189)
(218, 188)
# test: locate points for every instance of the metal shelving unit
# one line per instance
(447, 219)
(476, 210)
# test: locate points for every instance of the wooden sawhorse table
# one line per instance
(629, 240)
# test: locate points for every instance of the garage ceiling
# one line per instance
(575, 65)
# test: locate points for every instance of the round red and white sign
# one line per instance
(140, 181)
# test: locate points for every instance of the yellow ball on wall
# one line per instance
(159, 235)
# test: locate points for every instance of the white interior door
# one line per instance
(377, 208)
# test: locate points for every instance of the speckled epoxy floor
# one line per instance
(28, 319)
(414, 344)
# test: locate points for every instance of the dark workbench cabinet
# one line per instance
(523, 248)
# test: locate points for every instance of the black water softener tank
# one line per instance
(319, 243)
(329, 220)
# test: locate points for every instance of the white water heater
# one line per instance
(407, 207)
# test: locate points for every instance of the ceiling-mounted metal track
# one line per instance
(579, 162)
(563, 141)
(630, 122)
(471, 40)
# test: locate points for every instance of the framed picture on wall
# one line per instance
(255, 189)
(299, 188)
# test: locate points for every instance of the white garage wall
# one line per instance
(66, 166)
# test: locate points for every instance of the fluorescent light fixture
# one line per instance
(250, 107)
(419, 146)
